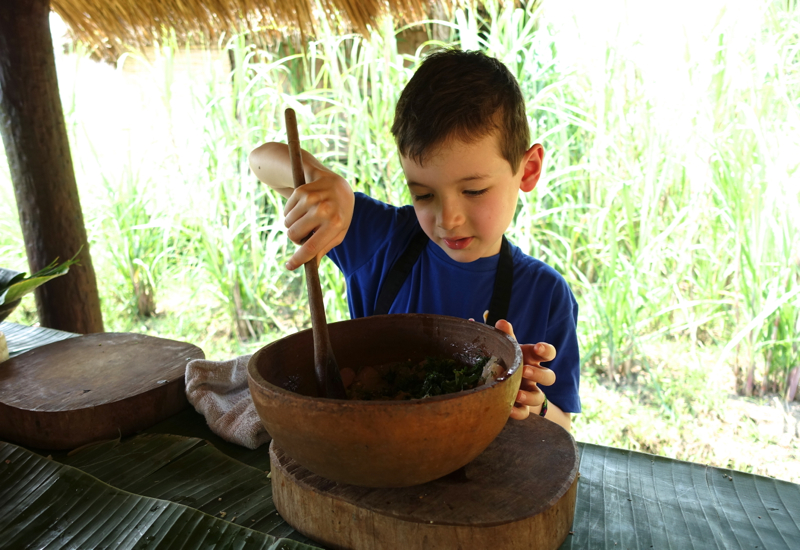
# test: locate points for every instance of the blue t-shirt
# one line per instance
(542, 308)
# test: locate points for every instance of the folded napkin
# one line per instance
(218, 390)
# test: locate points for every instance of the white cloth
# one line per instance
(218, 390)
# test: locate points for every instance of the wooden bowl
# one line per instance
(384, 443)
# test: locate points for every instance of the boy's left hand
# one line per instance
(533, 373)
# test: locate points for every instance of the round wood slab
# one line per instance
(519, 494)
(97, 386)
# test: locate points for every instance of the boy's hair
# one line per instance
(465, 95)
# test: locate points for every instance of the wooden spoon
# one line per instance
(329, 381)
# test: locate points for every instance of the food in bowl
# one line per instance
(419, 379)
(384, 443)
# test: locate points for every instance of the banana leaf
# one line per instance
(9, 276)
(14, 285)
(187, 471)
(22, 338)
(47, 504)
(190, 423)
(628, 499)
(625, 499)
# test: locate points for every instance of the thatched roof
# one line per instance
(111, 26)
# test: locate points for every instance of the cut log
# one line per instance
(40, 164)
(100, 386)
(519, 494)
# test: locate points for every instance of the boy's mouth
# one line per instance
(458, 244)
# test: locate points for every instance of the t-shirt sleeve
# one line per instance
(372, 224)
(562, 333)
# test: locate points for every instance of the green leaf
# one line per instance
(47, 504)
(168, 466)
(8, 277)
(628, 499)
(18, 286)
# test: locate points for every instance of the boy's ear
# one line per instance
(532, 162)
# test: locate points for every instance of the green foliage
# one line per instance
(669, 201)
(236, 232)
(667, 229)
(44, 501)
(139, 237)
(12, 247)
(15, 285)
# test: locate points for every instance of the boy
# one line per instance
(463, 139)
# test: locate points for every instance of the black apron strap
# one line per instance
(503, 279)
(399, 273)
(501, 294)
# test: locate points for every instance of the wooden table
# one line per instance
(181, 482)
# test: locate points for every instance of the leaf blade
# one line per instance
(47, 504)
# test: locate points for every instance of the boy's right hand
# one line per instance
(324, 207)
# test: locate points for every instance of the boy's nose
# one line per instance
(450, 216)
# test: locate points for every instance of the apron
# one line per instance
(503, 279)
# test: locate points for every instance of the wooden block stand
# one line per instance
(519, 494)
(98, 386)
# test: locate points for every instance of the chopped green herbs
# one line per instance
(416, 380)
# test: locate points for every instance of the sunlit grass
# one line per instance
(670, 201)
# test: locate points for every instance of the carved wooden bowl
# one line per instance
(384, 443)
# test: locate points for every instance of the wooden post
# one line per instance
(35, 138)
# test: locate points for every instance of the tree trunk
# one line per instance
(39, 160)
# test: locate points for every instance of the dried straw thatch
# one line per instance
(111, 26)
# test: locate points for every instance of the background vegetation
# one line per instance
(670, 202)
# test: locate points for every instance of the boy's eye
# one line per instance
(475, 193)
(421, 197)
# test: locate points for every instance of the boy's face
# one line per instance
(465, 195)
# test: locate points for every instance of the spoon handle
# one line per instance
(326, 370)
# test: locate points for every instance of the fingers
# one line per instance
(529, 395)
(308, 251)
(506, 327)
(291, 202)
(528, 385)
(539, 375)
(313, 249)
(320, 212)
(531, 398)
(540, 352)
(532, 353)
(520, 412)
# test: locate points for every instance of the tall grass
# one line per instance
(672, 217)
(139, 239)
(12, 247)
(670, 199)
(675, 228)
